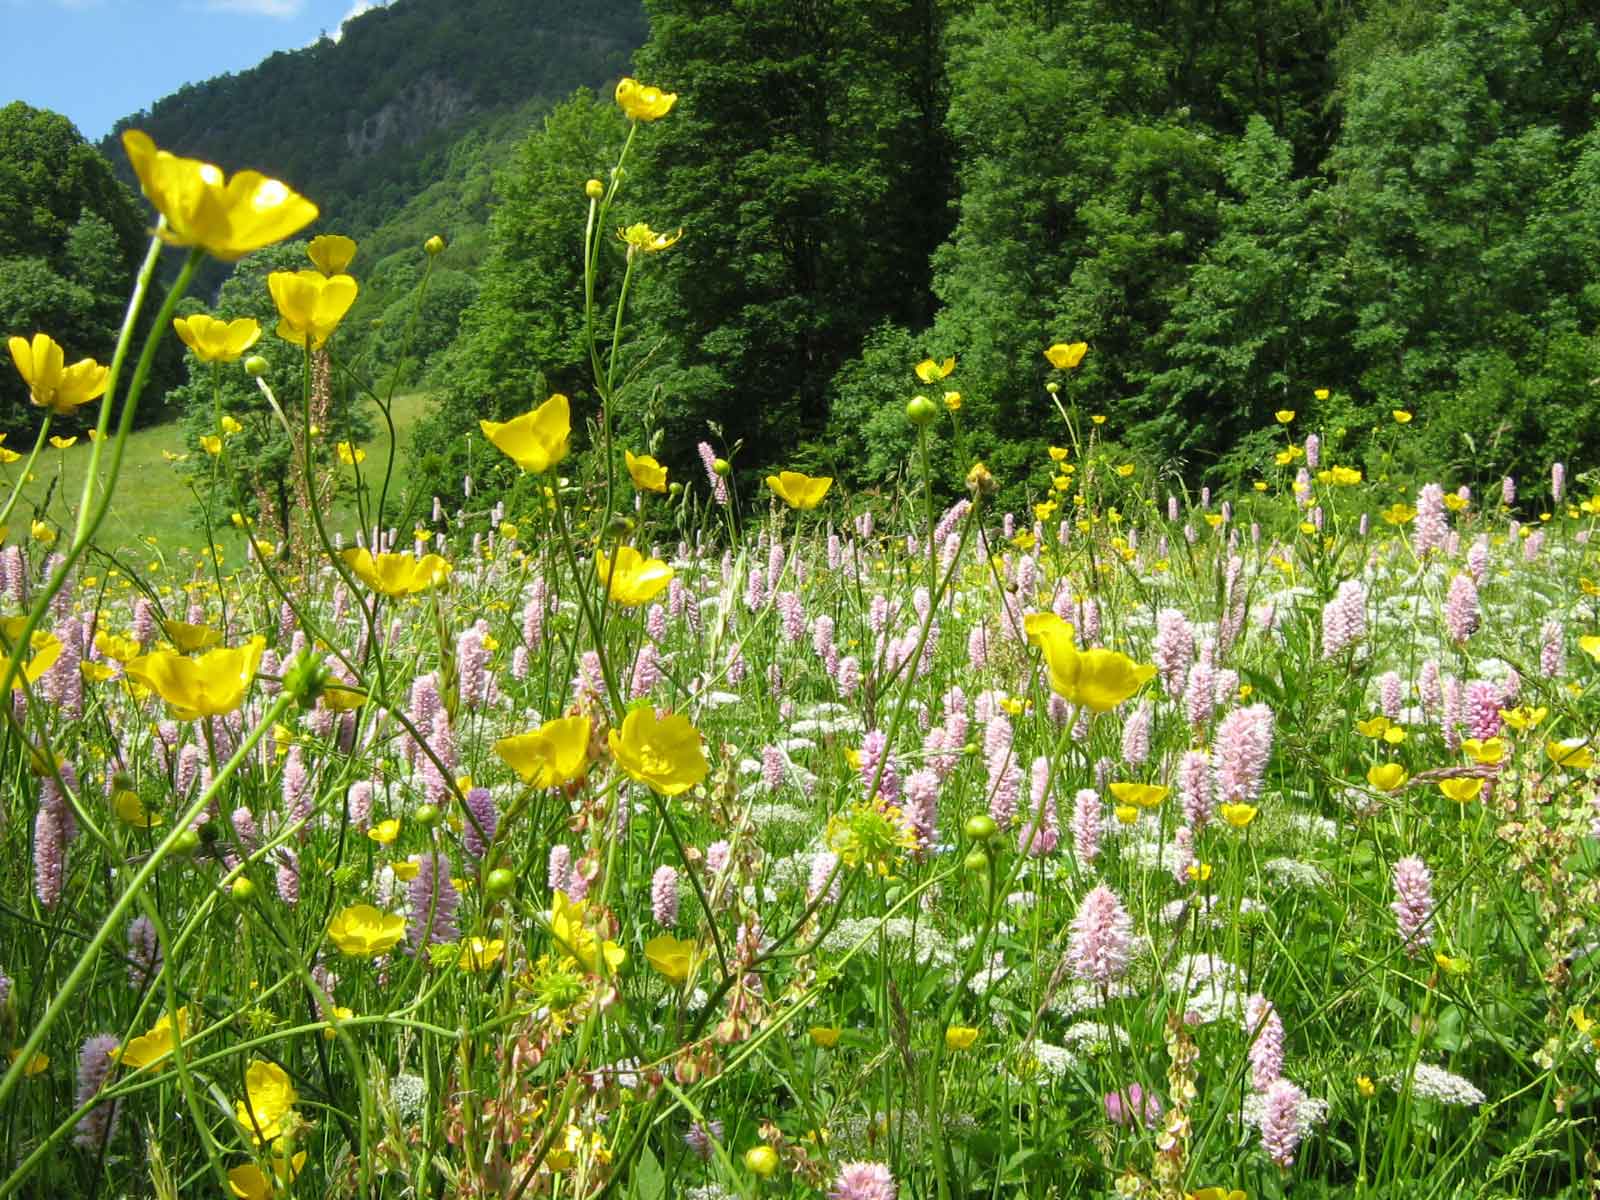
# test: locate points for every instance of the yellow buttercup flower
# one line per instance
(826, 1036)
(213, 340)
(1387, 777)
(573, 936)
(930, 371)
(208, 686)
(350, 455)
(1463, 789)
(1127, 814)
(640, 102)
(62, 443)
(631, 579)
(43, 533)
(1145, 795)
(1217, 1193)
(1283, 416)
(554, 755)
(1571, 754)
(51, 383)
(385, 831)
(799, 491)
(1455, 503)
(537, 440)
(1401, 416)
(1523, 718)
(1058, 453)
(187, 638)
(227, 218)
(1590, 644)
(1099, 679)
(310, 304)
(250, 1182)
(1398, 514)
(396, 574)
(647, 474)
(1237, 815)
(1125, 469)
(1321, 393)
(1065, 356)
(671, 957)
(122, 649)
(1486, 751)
(644, 240)
(959, 1037)
(331, 253)
(480, 955)
(362, 931)
(153, 1048)
(662, 753)
(269, 1098)
(130, 810)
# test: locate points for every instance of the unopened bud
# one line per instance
(921, 412)
(434, 245)
(256, 366)
(722, 467)
(594, 189)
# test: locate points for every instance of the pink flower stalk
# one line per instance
(1413, 904)
(1429, 688)
(1183, 854)
(921, 805)
(298, 797)
(1088, 622)
(589, 685)
(719, 485)
(558, 874)
(190, 759)
(824, 874)
(1244, 744)
(1431, 525)
(1461, 608)
(288, 877)
(717, 855)
(1132, 1104)
(646, 672)
(1344, 619)
(776, 560)
(978, 648)
(433, 903)
(97, 1126)
(791, 617)
(1264, 1028)
(1040, 834)
(360, 801)
(863, 1181)
(1484, 701)
(664, 896)
(1508, 491)
(848, 676)
(472, 666)
(1194, 788)
(875, 751)
(480, 822)
(144, 952)
(1005, 788)
(49, 856)
(1558, 482)
(1102, 938)
(822, 635)
(1552, 650)
(1280, 1125)
(1532, 544)
(1200, 694)
(1478, 558)
(245, 829)
(1136, 735)
(1313, 451)
(1391, 694)
(700, 1138)
(755, 590)
(438, 769)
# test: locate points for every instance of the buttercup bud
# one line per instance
(594, 189)
(921, 411)
(722, 467)
(256, 366)
(434, 245)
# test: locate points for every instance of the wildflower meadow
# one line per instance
(621, 835)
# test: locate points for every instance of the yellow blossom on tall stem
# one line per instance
(799, 491)
(671, 957)
(1065, 356)
(227, 218)
(250, 1182)
(931, 371)
(208, 686)
(362, 931)
(662, 753)
(153, 1048)
(554, 755)
(647, 474)
(214, 340)
(629, 578)
(642, 239)
(537, 440)
(310, 304)
(331, 253)
(641, 102)
(569, 928)
(269, 1099)
(396, 574)
(52, 385)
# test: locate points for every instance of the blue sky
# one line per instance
(98, 60)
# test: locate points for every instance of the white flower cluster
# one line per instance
(1429, 1082)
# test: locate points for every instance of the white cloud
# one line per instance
(356, 9)
(259, 8)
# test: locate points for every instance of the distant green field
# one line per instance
(153, 497)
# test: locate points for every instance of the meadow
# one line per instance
(624, 835)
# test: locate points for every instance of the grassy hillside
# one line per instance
(154, 506)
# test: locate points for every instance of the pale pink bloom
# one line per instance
(1102, 938)
(1413, 904)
